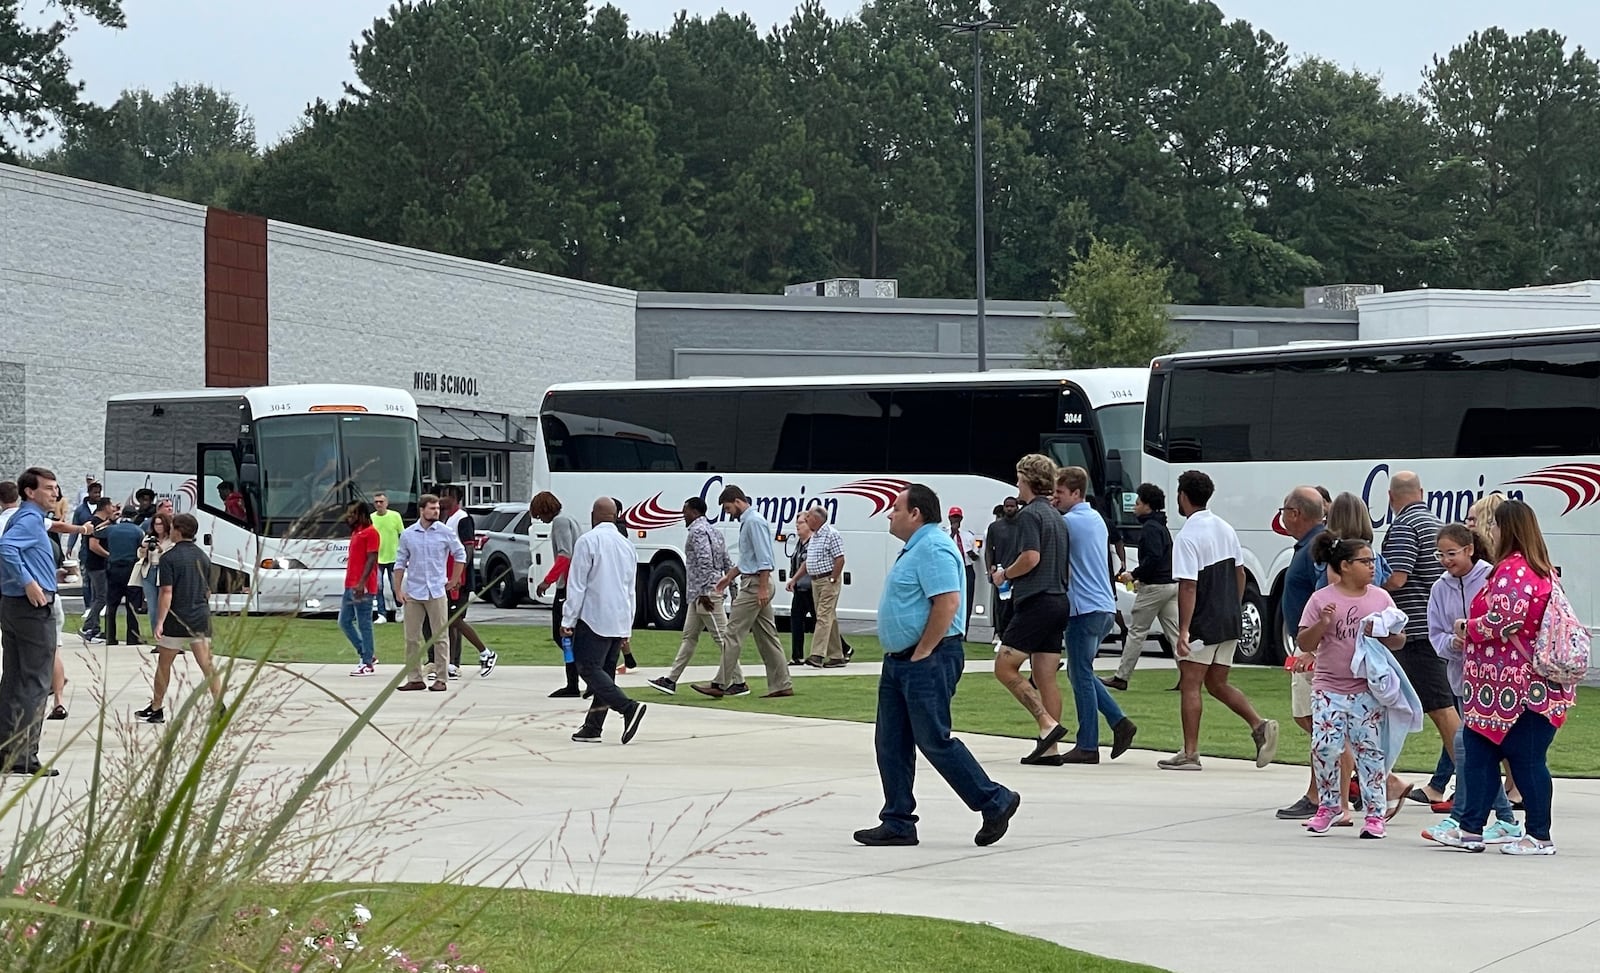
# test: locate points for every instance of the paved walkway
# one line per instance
(1189, 872)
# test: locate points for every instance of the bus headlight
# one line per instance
(282, 564)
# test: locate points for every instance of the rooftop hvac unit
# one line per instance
(845, 287)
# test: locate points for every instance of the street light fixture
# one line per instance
(976, 28)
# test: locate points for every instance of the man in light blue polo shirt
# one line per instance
(752, 606)
(1094, 611)
(920, 617)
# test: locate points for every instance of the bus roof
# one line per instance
(294, 399)
(1103, 386)
(1430, 343)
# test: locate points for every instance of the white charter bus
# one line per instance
(268, 472)
(847, 444)
(1515, 412)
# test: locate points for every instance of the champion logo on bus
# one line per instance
(881, 492)
(1578, 482)
(650, 515)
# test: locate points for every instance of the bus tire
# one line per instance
(665, 601)
(1255, 646)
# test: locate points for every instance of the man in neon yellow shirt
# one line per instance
(389, 525)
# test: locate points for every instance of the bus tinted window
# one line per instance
(1007, 424)
(160, 437)
(774, 431)
(1220, 414)
(849, 431)
(928, 430)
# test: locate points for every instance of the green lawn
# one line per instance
(981, 706)
(518, 931)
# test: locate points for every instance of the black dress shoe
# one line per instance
(995, 828)
(1122, 737)
(884, 836)
(1078, 755)
(34, 770)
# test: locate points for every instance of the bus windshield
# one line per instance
(313, 465)
(1120, 429)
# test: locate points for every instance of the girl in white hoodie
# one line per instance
(1466, 571)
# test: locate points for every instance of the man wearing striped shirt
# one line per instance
(824, 565)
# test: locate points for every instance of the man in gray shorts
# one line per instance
(183, 615)
(1207, 563)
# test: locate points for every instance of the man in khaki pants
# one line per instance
(419, 577)
(752, 607)
(824, 565)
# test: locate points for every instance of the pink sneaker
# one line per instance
(1373, 828)
(1322, 820)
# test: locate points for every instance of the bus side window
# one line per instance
(219, 490)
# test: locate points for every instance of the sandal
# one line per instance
(1394, 804)
(59, 713)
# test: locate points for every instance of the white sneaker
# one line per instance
(362, 670)
(378, 620)
(486, 661)
(455, 672)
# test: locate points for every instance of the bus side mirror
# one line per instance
(1113, 470)
(444, 471)
(250, 474)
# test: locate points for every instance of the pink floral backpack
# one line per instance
(1561, 650)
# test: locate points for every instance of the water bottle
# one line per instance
(1004, 590)
(566, 648)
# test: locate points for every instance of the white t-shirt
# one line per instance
(1207, 552)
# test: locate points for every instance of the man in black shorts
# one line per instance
(183, 615)
(1409, 547)
(1039, 606)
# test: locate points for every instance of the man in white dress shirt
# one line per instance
(967, 543)
(598, 615)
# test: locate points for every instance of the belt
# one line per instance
(900, 656)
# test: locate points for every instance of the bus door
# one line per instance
(1072, 449)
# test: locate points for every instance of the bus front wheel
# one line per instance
(665, 595)
(1255, 648)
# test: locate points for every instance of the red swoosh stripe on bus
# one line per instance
(650, 515)
(880, 490)
(1578, 482)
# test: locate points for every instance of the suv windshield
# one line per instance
(313, 465)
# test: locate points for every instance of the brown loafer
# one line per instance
(709, 689)
(834, 664)
(778, 693)
(1112, 682)
(439, 686)
(413, 686)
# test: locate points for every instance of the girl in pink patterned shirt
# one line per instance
(1510, 711)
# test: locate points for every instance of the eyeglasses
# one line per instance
(1447, 555)
(1368, 561)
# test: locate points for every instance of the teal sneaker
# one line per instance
(1502, 832)
(1448, 824)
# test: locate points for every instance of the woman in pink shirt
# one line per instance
(1343, 710)
(1510, 711)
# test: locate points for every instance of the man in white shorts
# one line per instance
(1207, 564)
(183, 615)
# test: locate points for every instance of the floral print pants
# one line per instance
(1339, 720)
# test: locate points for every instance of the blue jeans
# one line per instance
(355, 618)
(1502, 804)
(1525, 749)
(152, 600)
(1090, 697)
(914, 714)
(385, 576)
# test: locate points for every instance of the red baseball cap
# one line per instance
(956, 512)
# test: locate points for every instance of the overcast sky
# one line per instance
(275, 56)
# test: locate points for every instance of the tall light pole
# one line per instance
(976, 28)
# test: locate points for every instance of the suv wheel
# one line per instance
(500, 586)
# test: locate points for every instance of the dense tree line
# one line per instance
(711, 156)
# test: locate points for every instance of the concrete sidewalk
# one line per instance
(1188, 872)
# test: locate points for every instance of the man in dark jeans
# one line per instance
(93, 562)
(598, 617)
(27, 624)
(920, 617)
(122, 541)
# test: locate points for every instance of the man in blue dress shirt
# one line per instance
(920, 616)
(27, 624)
